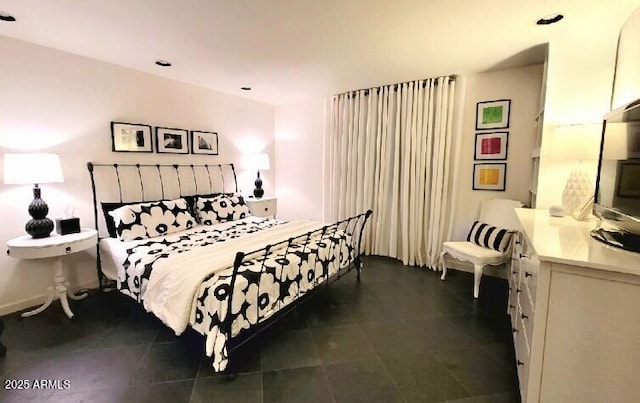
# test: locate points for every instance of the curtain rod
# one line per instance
(452, 77)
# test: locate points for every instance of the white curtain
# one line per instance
(391, 151)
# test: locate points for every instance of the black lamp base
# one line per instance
(39, 226)
(258, 192)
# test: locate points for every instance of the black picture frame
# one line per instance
(479, 153)
(205, 143)
(493, 114)
(171, 140)
(496, 168)
(131, 137)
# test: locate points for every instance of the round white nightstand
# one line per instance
(54, 246)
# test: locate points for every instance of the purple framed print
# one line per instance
(491, 146)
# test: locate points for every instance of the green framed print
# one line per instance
(493, 114)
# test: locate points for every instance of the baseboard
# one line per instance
(39, 299)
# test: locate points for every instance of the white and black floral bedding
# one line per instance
(196, 267)
(137, 267)
(264, 285)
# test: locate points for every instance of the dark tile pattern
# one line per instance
(399, 335)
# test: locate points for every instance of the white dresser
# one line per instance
(575, 313)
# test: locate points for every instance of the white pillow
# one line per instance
(151, 219)
(221, 208)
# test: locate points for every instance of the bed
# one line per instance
(179, 240)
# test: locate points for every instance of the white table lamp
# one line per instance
(578, 143)
(34, 168)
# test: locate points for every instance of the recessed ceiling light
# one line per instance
(163, 63)
(7, 17)
(245, 88)
(550, 19)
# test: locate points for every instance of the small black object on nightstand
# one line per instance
(65, 226)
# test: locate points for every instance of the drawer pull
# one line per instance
(527, 274)
(266, 209)
(518, 290)
(518, 242)
(514, 330)
(522, 255)
(512, 306)
(523, 316)
(520, 363)
(67, 249)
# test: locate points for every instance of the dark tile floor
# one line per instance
(400, 335)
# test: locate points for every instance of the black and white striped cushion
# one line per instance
(489, 236)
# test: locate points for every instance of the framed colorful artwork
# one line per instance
(493, 114)
(491, 146)
(489, 176)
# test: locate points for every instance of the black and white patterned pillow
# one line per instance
(221, 208)
(148, 220)
(487, 235)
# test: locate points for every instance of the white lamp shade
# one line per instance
(32, 168)
(577, 142)
(260, 162)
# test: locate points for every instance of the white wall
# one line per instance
(522, 87)
(299, 135)
(579, 87)
(627, 80)
(58, 102)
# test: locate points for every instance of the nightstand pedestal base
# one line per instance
(60, 289)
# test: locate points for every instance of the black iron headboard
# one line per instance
(130, 183)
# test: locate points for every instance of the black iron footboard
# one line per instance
(347, 234)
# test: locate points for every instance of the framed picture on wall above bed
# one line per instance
(493, 114)
(131, 137)
(204, 142)
(491, 146)
(489, 176)
(172, 141)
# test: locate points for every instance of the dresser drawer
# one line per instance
(512, 307)
(523, 375)
(514, 279)
(530, 286)
(517, 245)
(526, 317)
(522, 359)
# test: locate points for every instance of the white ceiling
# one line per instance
(292, 49)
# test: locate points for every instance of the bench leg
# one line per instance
(477, 275)
(443, 263)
